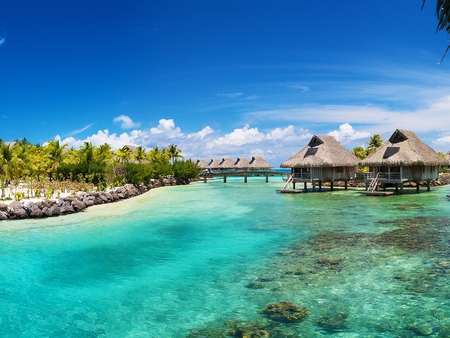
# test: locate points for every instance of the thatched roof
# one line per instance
(322, 151)
(259, 162)
(404, 148)
(215, 163)
(242, 163)
(227, 163)
(202, 163)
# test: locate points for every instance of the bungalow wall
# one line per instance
(325, 173)
(411, 173)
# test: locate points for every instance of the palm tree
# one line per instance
(87, 152)
(375, 141)
(124, 154)
(103, 154)
(139, 154)
(55, 155)
(174, 153)
(359, 152)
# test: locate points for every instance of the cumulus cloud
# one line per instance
(202, 133)
(126, 122)
(276, 145)
(346, 134)
(167, 129)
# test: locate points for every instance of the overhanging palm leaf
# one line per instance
(442, 14)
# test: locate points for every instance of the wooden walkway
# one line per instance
(244, 174)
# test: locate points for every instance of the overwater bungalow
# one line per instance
(227, 164)
(403, 158)
(322, 160)
(202, 163)
(259, 163)
(242, 164)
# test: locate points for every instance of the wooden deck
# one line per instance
(377, 193)
(290, 191)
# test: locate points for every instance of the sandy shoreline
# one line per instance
(69, 203)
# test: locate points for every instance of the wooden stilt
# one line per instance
(224, 178)
(245, 178)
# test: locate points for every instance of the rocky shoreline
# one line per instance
(41, 208)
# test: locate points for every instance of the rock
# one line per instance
(18, 213)
(46, 211)
(30, 206)
(3, 215)
(3, 207)
(286, 312)
(55, 211)
(37, 213)
(78, 205)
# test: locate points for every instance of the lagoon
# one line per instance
(196, 260)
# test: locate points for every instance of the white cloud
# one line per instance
(75, 132)
(126, 122)
(202, 134)
(166, 129)
(239, 137)
(376, 120)
(346, 134)
(276, 145)
(230, 95)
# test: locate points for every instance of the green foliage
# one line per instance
(186, 170)
(88, 172)
(137, 173)
(359, 152)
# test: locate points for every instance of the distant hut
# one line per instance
(227, 164)
(259, 163)
(202, 163)
(214, 164)
(242, 164)
(404, 157)
(322, 160)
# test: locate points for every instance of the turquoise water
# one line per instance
(196, 260)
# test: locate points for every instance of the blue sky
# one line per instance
(222, 78)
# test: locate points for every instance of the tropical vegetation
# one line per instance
(42, 170)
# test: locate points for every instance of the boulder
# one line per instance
(36, 213)
(55, 211)
(18, 213)
(47, 211)
(3, 215)
(3, 207)
(78, 205)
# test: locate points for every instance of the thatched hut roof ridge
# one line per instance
(404, 148)
(258, 162)
(242, 163)
(322, 151)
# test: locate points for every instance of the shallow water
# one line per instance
(188, 260)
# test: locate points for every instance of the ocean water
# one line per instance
(205, 259)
